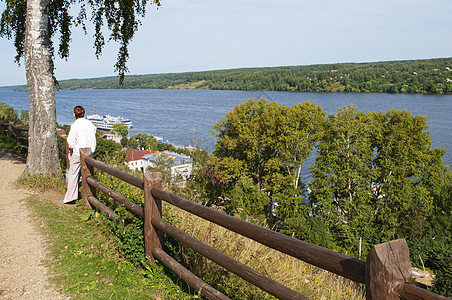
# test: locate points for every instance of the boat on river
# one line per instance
(106, 122)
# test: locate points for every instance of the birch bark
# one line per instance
(42, 142)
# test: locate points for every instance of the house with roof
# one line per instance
(61, 132)
(134, 158)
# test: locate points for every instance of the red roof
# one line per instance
(135, 154)
(61, 132)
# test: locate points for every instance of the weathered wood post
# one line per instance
(86, 171)
(152, 209)
(388, 267)
(10, 130)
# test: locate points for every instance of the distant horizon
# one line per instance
(238, 68)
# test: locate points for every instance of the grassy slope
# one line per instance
(84, 263)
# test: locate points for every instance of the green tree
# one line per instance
(295, 135)
(132, 143)
(246, 199)
(405, 163)
(163, 165)
(121, 129)
(108, 150)
(240, 143)
(341, 191)
(268, 143)
(146, 141)
(33, 25)
(377, 177)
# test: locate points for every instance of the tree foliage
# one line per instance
(121, 129)
(267, 143)
(120, 17)
(375, 176)
(430, 76)
(8, 113)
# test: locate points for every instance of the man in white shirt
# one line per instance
(81, 135)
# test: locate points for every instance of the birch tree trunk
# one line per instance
(42, 142)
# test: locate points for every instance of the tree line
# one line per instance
(431, 76)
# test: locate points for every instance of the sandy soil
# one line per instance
(22, 275)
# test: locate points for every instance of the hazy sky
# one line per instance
(197, 35)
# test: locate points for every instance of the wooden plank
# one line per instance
(115, 172)
(411, 292)
(269, 285)
(103, 208)
(338, 263)
(388, 267)
(136, 209)
(152, 210)
(190, 278)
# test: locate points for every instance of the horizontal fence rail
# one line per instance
(136, 209)
(187, 276)
(133, 180)
(334, 262)
(252, 276)
(386, 273)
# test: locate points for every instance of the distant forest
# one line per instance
(429, 76)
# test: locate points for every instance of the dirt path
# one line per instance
(22, 276)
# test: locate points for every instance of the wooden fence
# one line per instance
(16, 132)
(386, 273)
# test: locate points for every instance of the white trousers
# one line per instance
(72, 177)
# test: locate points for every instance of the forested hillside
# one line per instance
(431, 76)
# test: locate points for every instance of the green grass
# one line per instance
(83, 262)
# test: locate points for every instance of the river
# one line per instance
(183, 116)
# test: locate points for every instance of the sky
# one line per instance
(199, 35)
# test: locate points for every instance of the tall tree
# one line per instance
(341, 191)
(240, 142)
(407, 171)
(33, 24)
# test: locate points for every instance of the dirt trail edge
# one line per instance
(22, 275)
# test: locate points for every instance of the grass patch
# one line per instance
(302, 277)
(83, 262)
(188, 86)
(43, 183)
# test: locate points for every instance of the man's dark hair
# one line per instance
(79, 112)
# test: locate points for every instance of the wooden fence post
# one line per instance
(10, 129)
(388, 267)
(86, 171)
(152, 209)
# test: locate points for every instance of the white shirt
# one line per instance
(82, 135)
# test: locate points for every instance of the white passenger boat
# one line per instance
(106, 122)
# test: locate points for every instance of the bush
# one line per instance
(7, 113)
